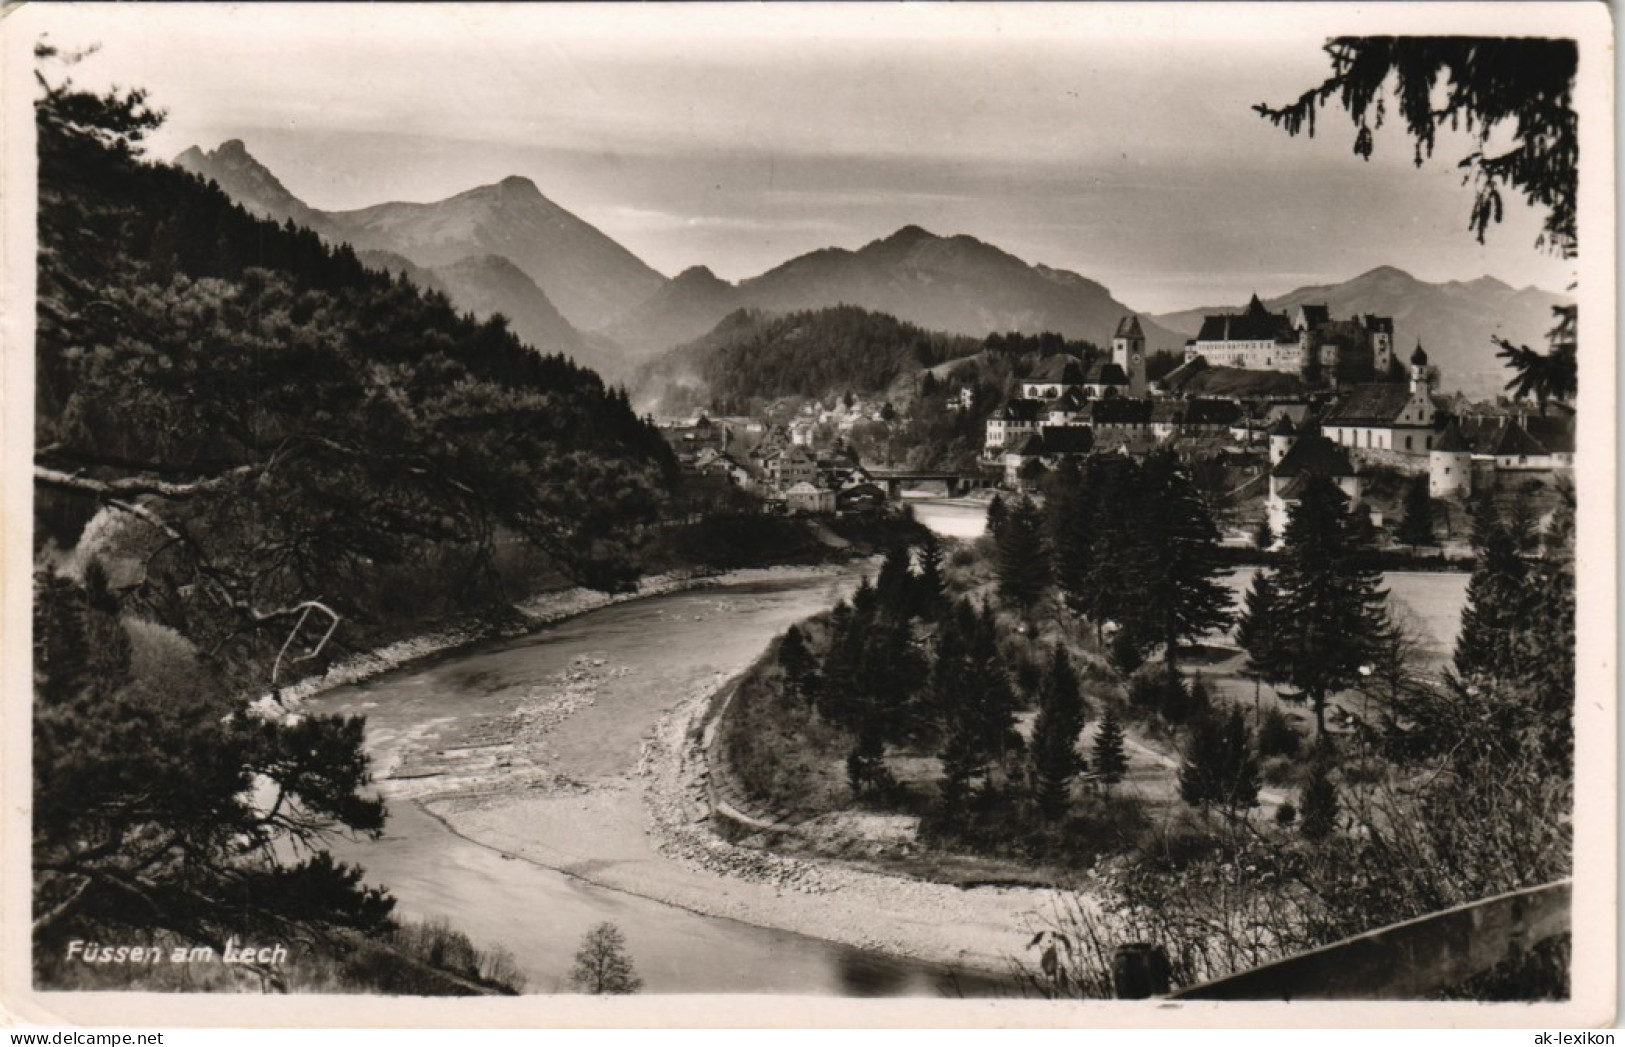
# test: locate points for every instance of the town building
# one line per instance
(1387, 416)
(1128, 354)
(1306, 455)
(1049, 446)
(1308, 341)
(805, 497)
(1054, 376)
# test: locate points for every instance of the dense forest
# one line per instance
(752, 357)
(239, 427)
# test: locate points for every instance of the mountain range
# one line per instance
(567, 287)
(954, 284)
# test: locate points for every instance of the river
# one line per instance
(518, 814)
(572, 704)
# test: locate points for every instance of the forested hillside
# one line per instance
(752, 356)
(252, 423)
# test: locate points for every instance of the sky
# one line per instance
(1116, 142)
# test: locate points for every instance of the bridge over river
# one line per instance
(956, 483)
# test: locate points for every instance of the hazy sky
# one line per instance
(1117, 143)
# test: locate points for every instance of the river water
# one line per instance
(636, 655)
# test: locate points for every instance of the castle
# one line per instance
(1303, 342)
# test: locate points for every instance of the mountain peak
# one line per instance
(233, 149)
(698, 274)
(910, 235)
(1386, 272)
(519, 183)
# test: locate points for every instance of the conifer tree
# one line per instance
(1111, 762)
(996, 513)
(1054, 748)
(797, 663)
(1023, 564)
(1333, 610)
(1220, 767)
(976, 703)
(895, 582)
(1173, 561)
(929, 586)
(1258, 632)
(1416, 528)
(1497, 603)
(1201, 767)
(1069, 521)
(1318, 801)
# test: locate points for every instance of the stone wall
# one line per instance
(1398, 461)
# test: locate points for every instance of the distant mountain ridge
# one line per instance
(955, 284)
(586, 295)
(465, 247)
(590, 278)
(1454, 320)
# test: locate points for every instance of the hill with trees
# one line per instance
(753, 356)
(239, 427)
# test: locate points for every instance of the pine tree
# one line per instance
(1069, 520)
(929, 586)
(1220, 767)
(1318, 801)
(895, 583)
(1172, 562)
(996, 513)
(797, 663)
(1201, 768)
(1023, 562)
(1111, 762)
(1332, 610)
(1054, 747)
(1416, 528)
(977, 705)
(1497, 602)
(1258, 633)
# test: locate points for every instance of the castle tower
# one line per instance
(1128, 352)
(1282, 437)
(1419, 372)
(1450, 465)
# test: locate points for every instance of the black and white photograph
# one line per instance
(1099, 511)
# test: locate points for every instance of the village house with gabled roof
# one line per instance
(1011, 424)
(1049, 445)
(805, 497)
(1303, 455)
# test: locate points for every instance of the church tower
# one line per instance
(1128, 352)
(1420, 383)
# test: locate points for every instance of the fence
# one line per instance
(1401, 961)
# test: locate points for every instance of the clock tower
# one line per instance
(1128, 352)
